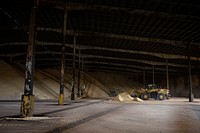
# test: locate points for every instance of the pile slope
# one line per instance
(46, 83)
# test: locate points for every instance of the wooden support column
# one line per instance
(79, 63)
(198, 79)
(137, 79)
(27, 101)
(191, 95)
(83, 89)
(144, 76)
(153, 74)
(62, 71)
(74, 69)
(167, 74)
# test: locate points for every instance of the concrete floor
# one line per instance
(101, 116)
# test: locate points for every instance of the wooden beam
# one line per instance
(113, 9)
(82, 47)
(118, 36)
(103, 57)
(117, 64)
(134, 60)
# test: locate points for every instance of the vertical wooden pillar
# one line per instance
(153, 75)
(198, 79)
(74, 69)
(167, 74)
(79, 63)
(82, 90)
(137, 80)
(144, 76)
(62, 71)
(27, 100)
(191, 95)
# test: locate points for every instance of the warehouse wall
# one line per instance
(179, 86)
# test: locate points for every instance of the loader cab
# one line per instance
(152, 86)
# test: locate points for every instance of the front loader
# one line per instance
(151, 92)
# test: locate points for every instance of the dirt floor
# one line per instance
(176, 115)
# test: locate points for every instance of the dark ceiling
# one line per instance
(113, 35)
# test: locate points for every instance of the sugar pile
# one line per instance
(125, 97)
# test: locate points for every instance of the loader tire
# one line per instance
(161, 96)
(145, 96)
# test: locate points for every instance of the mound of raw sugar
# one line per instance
(125, 97)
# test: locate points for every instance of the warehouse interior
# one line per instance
(57, 56)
